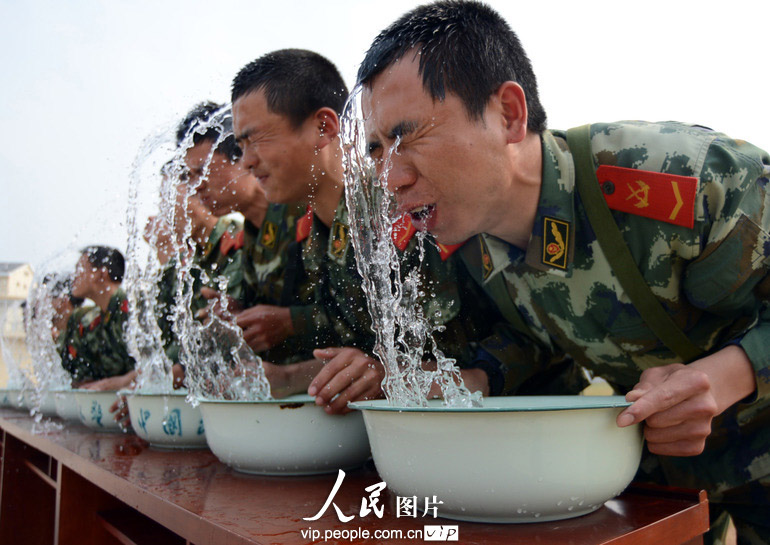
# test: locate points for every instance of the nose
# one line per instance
(399, 176)
(250, 157)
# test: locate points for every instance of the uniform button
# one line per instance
(608, 188)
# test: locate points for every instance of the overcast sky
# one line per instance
(85, 82)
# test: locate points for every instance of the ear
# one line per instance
(327, 125)
(104, 276)
(513, 103)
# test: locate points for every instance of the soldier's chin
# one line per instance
(446, 237)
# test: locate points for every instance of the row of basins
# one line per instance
(516, 459)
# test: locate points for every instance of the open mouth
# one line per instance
(422, 213)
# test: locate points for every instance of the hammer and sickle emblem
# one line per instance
(641, 194)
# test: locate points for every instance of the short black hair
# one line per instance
(104, 256)
(297, 83)
(200, 115)
(466, 48)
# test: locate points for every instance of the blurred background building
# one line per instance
(15, 281)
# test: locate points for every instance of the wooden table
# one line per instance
(74, 486)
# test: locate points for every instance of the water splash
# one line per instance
(144, 270)
(404, 334)
(218, 362)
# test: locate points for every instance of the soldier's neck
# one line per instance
(256, 210)
(326, 196)
(514, 220)
(103, 295)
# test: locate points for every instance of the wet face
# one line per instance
(447, 170)
(86, 278)
(226, 187)
(282, 158)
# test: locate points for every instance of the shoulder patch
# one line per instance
(340, 239)
(124, 306)
(663, 197)
(403, 231)
(269, 235)
(486, 259)
(555, 242)
(304, 224)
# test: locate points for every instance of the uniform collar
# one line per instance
(551, 245)
(552, 242)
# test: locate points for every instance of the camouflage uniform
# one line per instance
(272, 275)
(709, 279)
(164, 309)
(262, 266)
(220, 256)
(340, 315)
(94, 346)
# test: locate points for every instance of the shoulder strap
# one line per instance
(617, 253)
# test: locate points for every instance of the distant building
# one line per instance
(15, 281)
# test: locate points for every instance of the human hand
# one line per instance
(120, 411)
(215, 304)
(265, 326)
(349, 374)
(118, 382)
(678, 402)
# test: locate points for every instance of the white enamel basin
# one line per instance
(517, 459)
(166, 420)
(94, 409)
(290, 436)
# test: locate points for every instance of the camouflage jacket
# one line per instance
(708, 277)
(262, 268)
(272, 275)
(221, 256)
(340, 316)
(94, 346)
(164, 309)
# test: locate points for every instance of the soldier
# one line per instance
(95, 351)
(254, 255)
(570, 229)
(63, 304)
(286, 108)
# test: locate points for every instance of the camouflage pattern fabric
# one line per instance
(268, 256)
(340, 316)
(265, 258)
(711, 279)
(94, 346)
(164, 309)
(222, 255)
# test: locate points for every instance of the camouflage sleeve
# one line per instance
(115, 359)
(529, 369)
(727, 278)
